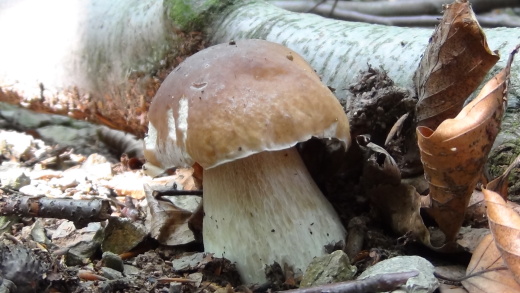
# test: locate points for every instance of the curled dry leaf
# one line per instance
(487, 272)
(455, 62)
(504, 224)
(454, 154)
(166, 222)
(398, 204)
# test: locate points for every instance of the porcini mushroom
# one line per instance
(238, 110)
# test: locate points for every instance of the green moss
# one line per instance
(193, 15)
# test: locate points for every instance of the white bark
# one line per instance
(82, 55)
(90, 44)
(98, 58)
(339, 50)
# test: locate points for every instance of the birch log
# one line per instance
(103, 60)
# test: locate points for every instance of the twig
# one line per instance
(470, 275)
(12, 238)
(175, 192)
(180, 280)
(81, 212)
(377, 283)
(404, 19)
(394, 8)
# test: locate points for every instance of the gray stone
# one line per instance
(65, 135)
(188, 262)
(425, 282)
(131, 270)
(113, 261)
(122, 228)
(38, 232)
(111, 274)
(15, 144)
(331, 268)
(81, 252)
(13, 177)
(175, 287)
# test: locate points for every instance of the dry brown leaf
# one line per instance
(166, 222)
(398, 203)
(504, 224)
(487, 270)
(454, 154)
(469, 237)
(476, 211)
(455, 62)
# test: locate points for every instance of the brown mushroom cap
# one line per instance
(234, 100)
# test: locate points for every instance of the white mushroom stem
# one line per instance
(267, 208)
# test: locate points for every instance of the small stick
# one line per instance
(174, 192)
(180, 280)
(440, 276)
(377, 283)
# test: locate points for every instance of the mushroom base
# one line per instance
(266, 208)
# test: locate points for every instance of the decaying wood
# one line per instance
(81, 212)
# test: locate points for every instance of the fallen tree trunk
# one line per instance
(104, 60)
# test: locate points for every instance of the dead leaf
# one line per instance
(447, 288)
(469, 237)
(476, 211)
(454, 154)
(379, 166)
(504, 224)
(129, 183)
(399, 204)
(455, 62)
(487, 270)
(166, 222)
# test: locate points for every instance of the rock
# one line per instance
(197, 278)
(188, 262)
(65, 135)
(97, 167)
(14, 144)
(13, 177)
(425, 282)
(27, 119)
(331, 268)
(175, 287)
(81, 244)
(63, 182)
(38, 232)
(122, 228)
(65, 229)
(111, 274)
(41, 189)
(113, 261)
(131, 270)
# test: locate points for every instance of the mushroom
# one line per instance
(238, 110)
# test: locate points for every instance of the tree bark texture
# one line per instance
(104, 60)
(95, 60)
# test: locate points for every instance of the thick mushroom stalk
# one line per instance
(266, 208)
